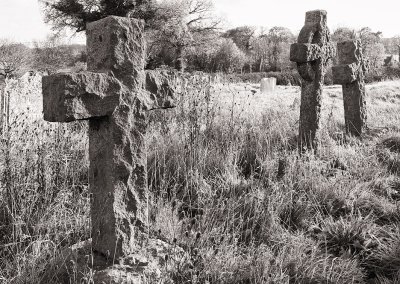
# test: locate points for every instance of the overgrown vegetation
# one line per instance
(227, 185)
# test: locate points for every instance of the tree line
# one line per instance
(183, 34)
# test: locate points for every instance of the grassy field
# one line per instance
(227, 185)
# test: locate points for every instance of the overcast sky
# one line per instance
(382, 15)
(21, 20)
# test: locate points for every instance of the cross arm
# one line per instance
(160, 91)
(304, 52)
(346, 73)
(77, 96)
(307, 52)
(352, 62)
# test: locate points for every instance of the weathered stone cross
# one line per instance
(112, 97)
(350, 74)
(312, 53)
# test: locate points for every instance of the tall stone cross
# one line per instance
(311, 54)
(350, 74)
(111, 96)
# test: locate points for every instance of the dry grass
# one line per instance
(227, 185)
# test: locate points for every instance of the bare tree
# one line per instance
(279, 39)
(200, 17)
(260, 51)
(13, 60)
(368, 37)
(51, 55)
(392, 45)
(181, 24)
(371, 43)
(14, 57)
(343, 33)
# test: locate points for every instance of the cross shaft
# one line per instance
(350, 74)
(311, 54)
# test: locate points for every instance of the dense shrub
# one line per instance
(382, 74)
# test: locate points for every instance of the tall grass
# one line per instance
(227, 185)
(44, 199)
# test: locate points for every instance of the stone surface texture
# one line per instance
(111, 96)
(117, 154)
(350, 74)
(312, 53)
(69, 97)
(148, 265)
(161, 89)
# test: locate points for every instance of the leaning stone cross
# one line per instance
(350, 74)
(312, 53)
(111, 96)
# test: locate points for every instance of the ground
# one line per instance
(227, 186)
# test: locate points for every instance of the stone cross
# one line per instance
(111, 96)
(311, 54)
(350, 74)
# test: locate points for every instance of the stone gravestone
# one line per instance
(311, 54)
(350, 74)
(111, 96)
(267, 85)
(215, 78)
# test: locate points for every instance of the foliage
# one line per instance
(279, 39)
(371, 44)
(178, 26)
(241, 36)
(51, 55)
(368, 37)
(383, 74)
(44, 201)
(14, 58)
(343, 33)
(392, 45)
(229, 57)
(179, 34)
(202, 57)
(75, 14)
(375, 53)
(264, 50)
